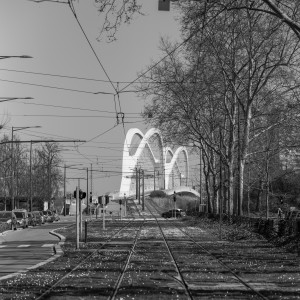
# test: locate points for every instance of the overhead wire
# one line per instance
(55, 87)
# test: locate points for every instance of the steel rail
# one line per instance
(219, 260)
(51, 288)
(131, 252)
(181, 278)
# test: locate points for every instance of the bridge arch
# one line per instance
(147, 151)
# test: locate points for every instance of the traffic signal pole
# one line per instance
(77, 217)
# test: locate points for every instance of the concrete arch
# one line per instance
(169, 167)
(160, 167)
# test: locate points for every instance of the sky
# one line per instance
(77, 109)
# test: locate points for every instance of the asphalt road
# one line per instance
(26, 248)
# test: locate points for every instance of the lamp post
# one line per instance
(13, 129)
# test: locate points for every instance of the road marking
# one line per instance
(3, 246)
(48, 245)
(23, 246)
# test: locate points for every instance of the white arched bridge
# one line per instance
(163, 168)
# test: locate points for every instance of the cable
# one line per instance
(57, 88)
(67, 116)
(106, 74)
(76, 77)
(75, 108)
(100, 134)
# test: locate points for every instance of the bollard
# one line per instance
(85, 227)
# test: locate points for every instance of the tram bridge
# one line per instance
(145, 157)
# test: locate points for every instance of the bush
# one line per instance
(158, 194)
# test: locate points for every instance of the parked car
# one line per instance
(177, 213)
(39, 217)
(22, 217)
(31, 219)
(56, 216)
(9, 218)
(49, 215)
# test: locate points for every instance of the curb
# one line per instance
(57, 253)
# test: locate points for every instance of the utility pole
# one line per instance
(77, 218)
(200, 183)
(136, 184)
(92, 179)
(30, 176)
(154, 179)
(139, 183)
(87, 191)
(143, 199)
(65, 201)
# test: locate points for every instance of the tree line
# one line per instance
(232, 90)
(35, 170)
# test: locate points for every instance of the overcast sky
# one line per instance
(51, 35)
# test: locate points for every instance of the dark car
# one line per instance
(177, 213)
(39, 217)
(32, 219)
(9, 218)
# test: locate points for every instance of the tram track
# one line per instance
(239, 278)
(82, 261)
(147, 258)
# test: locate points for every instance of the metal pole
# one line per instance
(125, 201)
(139, 181)
(87, 191)
(104, 212)
(136, 184)
(12, 170)
(154, 179)
(92, 178)
(200, 182)
(30, 176)
(65, 209)
(77, 218)
(80, 214)
(143, 199)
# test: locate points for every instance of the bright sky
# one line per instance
(51, 35)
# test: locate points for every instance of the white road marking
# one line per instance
(48, 245)
(23, 246)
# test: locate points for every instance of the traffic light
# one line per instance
(120, 201)
(174, 197)
(82, 194)
(100, 200)
(106, 199)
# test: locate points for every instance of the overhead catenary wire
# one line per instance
(55, 87)
(87, 39)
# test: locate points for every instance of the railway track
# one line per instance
(197, 244)
(147, 258)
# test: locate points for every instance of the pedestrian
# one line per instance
(279, 213)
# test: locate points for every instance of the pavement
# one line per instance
(33, 240)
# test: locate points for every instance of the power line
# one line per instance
(106, 74)
(55, 87)
(76, 77)
(75, 108)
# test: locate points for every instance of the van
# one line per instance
(22, 217)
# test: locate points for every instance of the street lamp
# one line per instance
(12, 160)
